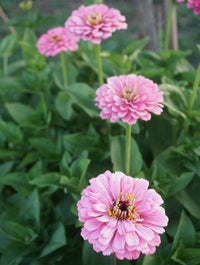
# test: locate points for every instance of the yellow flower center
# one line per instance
(94, 19)
(123, 208)
(54, 38)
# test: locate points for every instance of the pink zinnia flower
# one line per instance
(194, 4)
(95, 22)
(129, 97)
(55, 41)
(121, 215)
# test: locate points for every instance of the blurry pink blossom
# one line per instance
(121, 215)
(55, 41)
(95, 22)
(194, 4)
(129, 97)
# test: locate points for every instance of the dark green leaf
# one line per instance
(83, 95)
(154, 259)
(57, 240)
(64, 105)
(185, 233)
(90, 257)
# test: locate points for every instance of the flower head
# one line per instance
(194, 4)
(121, 215)
(129, 97)
(95, 22)
(55, 41)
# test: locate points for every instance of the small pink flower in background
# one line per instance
(194, 4)
(95, 22)
(129, 97)
(55, 41)
(121, 215)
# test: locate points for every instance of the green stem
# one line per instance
(5, 65)
(169, 24)
(113, 259)
(43, 102)
(128, 148)
(99, 64)
(195, 89)
(64, 69)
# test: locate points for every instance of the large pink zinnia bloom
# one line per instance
(95, 22)
(55, 41)
(121, 215)
(129, 97)
(194, 4)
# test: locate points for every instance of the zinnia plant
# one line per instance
(94, 23)
(121, 215)
(129, 97)
(56, 41)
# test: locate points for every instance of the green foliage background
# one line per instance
(52, 142)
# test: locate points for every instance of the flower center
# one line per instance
(128, 94)
(54, 38)
(94, 19)
(123, 208)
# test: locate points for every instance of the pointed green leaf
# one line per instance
(57, 240)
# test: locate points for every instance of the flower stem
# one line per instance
(128, 148)
(169, 24)
(5, 65)
(195, 89)
(99, 64)
(113, 259)
(64, 69)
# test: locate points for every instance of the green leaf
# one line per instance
(19, 232)
(75, 143)
(181, 182)
(28, 159)
(154, 259)
(11, 131)
(31, 208)
(64, 211)
(9, 44)
(118, 155)
(83, 95)
(47, 180)
(13, 254)
(134, 48)
(57, 240)
(90, 257)
(17, 180)
(46, 147)
(189, 203)
(191, 256)
(20, 113)
(175, 100)
(185, 232)
(5, 168)
(64, 105)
